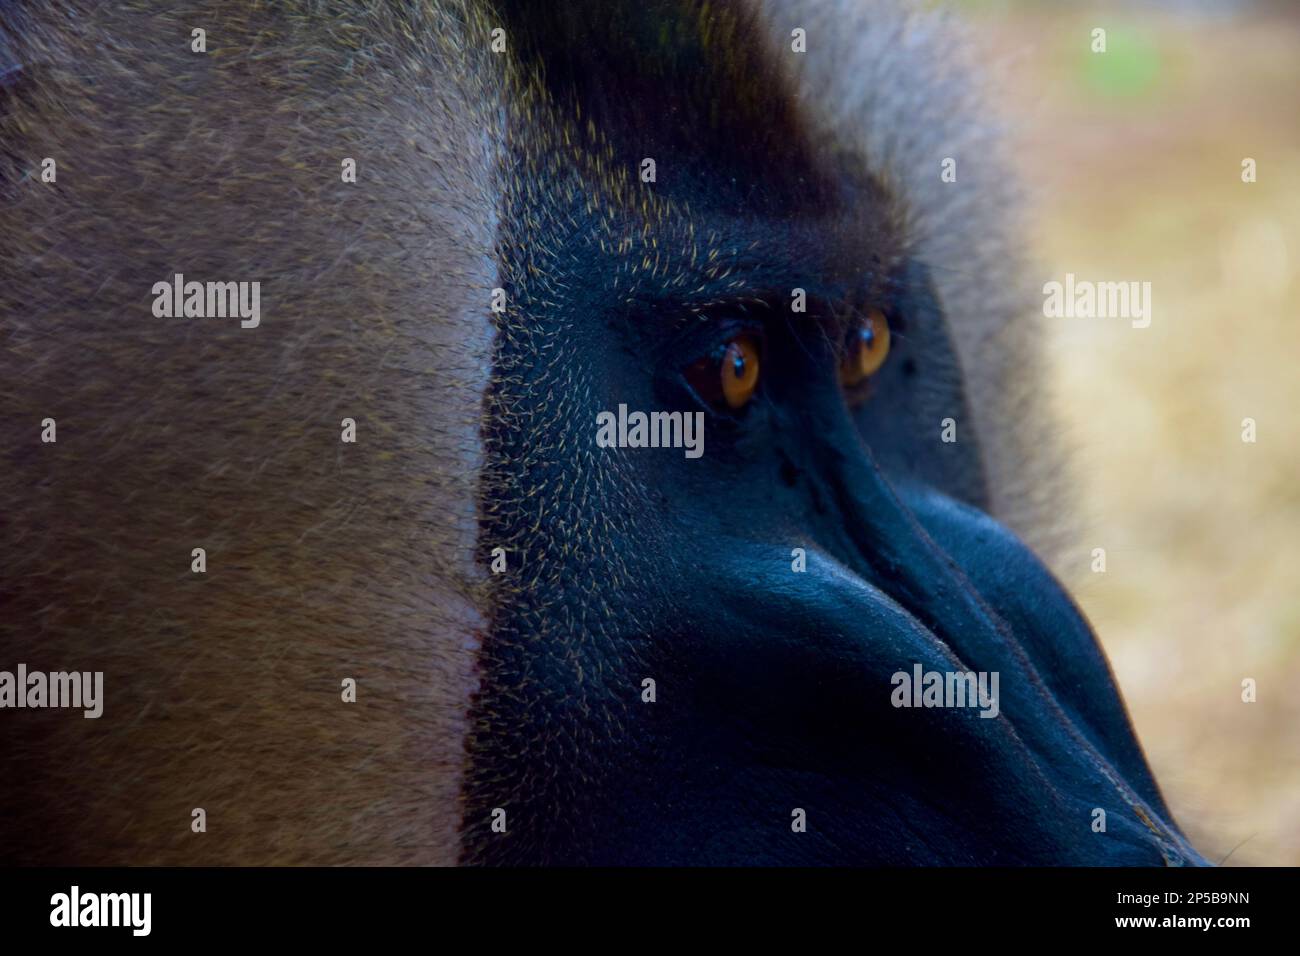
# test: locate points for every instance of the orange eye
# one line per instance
(739, 371)
(728, 381)
(867, 346)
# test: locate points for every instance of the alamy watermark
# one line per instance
(652, 430)
(38, 689)
(1098, 300)
(923, 688)
(75, 908)
(208, 300)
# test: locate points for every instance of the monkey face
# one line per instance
(783, 597)
(808, 641)
(678, 397)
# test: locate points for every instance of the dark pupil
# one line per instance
(867, 335)
(738, 365)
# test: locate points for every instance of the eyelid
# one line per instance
(709, 337)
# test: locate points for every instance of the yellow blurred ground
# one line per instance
(1135, 172)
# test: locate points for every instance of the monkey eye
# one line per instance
(865, 349)
(728, 378)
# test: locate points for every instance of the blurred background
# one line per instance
(1132, 160)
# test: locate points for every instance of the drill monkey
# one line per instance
(828, 540)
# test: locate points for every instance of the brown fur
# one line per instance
(325, 560)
